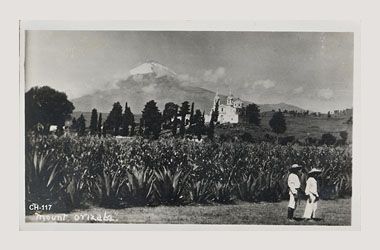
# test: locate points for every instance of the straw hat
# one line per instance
(295, 166)
(315, 171)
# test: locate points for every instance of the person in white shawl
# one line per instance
(311, 191)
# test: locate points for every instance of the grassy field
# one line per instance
(330, 212)
(299, 127)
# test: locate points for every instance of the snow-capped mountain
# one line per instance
(152, 68)
(148, 81)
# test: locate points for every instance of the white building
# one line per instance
(227, 112)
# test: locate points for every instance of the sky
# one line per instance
(312, 70)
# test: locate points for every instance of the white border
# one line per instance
(215, 25)
(286, 26)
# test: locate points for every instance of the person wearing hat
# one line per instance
(311, 191)
(294, 185)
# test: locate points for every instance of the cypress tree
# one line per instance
(115, 118)
(99, 129)
(192, 114)
(93, 122)
(81, 125)
(175, 122)
(152, 119)
(183, 112)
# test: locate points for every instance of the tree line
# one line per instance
(173, 118)
(45, 106)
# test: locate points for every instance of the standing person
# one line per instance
(294, 185)
(311, 191)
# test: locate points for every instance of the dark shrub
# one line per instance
(247, 137)
(269, 138)
(286, 140)
(328, 139)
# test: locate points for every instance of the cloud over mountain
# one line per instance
(214, 75)
(264, 83)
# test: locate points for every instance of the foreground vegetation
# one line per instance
(70, 172)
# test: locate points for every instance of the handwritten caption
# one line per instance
(39, 210)
(79, 217)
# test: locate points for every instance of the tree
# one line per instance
(152, 119)
(211, 130)
(328, 114)
(81, 125)
(192, 114)
(105, 128)
(215, 113)
(175, 122)
(128, 120)
(141, 125)
(46, 106)
(74, 124)
(198, 124)
(278, 123)
(99, 128)
(344, 136)
(133, 127)
(185, 108)
(328, 139)
(93, 122)
(115, 118)
(170, 112)
(252, 113)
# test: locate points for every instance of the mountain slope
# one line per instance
(153, 81)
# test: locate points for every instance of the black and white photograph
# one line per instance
(185, 126)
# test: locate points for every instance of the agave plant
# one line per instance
(270, 186)
(108, 185)
(75, 187)
(139, 186)
(42, 178)
(169, 186)
(200, 191)
(222, 192)
(248, 188)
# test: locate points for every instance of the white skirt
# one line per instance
(311, 208)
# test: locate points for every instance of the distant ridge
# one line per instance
(282, 106)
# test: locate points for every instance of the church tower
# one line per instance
(230, 99)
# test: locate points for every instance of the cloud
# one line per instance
(325, 94)
(187, 78)
(260, 91)
(149, 89)
(298, 90)
(214, 75)
(267, 84)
